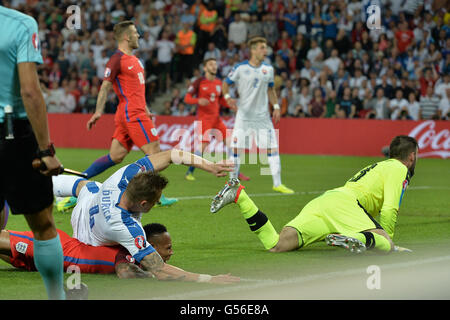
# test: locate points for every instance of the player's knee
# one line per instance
(288, 240)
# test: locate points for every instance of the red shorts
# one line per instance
(88, 258)
(212, 127)
(139, 130)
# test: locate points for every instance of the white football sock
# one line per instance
(237, 165)
(275, 168)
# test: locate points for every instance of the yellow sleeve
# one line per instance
(395, 183)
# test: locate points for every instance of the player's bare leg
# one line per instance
(288, 240)
(149, 149)
(117, 151)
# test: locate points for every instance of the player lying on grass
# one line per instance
(110, 213)
(16, 248)
(343, 216)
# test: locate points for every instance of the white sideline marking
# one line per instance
(277, 194)
(260, 283)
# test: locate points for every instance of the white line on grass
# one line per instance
(299, 193)
(259, 283)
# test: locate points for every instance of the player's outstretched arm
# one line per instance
(101, 101)
(165, 272)
(162, 160)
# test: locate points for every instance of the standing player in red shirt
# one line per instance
(133, 125)
(206, 93)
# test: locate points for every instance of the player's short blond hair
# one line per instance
(121, 28)
(255, 40)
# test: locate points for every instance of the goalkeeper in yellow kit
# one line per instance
(344, 216)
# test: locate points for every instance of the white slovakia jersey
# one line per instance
(252, 84)
(98, 220)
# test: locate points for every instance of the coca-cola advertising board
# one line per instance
(355, 137)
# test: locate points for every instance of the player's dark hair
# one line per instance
(208, 60)
(154, 229)
(146, 186)
(120, 28)
(401, 147)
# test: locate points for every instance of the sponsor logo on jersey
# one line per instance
(107, 72)
(35, 41)
(140, 242)
(21, 247)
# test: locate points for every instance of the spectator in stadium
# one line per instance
(54, 98)
(345, 107)
(429, 105)
(207, 20)
(212, 52)
(165, 50)
(316, 107)
(444, 106)
(186, 42)
(237, 30)
(255, 27)
(88, 99)
(331, 101)
(270, 27)
(413, 107)
(378, 106)
(397, 104)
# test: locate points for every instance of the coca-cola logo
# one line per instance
(182, 136)
(431, 142)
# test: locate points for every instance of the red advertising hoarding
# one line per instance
(296, 136)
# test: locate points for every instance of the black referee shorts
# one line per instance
(26, 190)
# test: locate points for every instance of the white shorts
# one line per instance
(260, 131)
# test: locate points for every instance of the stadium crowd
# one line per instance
(327, 62)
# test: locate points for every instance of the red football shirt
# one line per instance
(88, 258)
(207, 89)
(126, 73)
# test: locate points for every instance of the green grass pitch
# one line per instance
(223, 243)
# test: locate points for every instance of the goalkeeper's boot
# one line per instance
(66, 204)
(165, 202)
(283, 189)
(226, 196)
(351, 244)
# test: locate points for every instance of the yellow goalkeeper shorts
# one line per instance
(335, 211)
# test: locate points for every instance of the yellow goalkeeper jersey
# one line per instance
(379, 189)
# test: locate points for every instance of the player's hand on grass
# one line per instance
(224, 279)
(276, 115)
(93, 120)
(52, 166)
(401, 249)
(221, 168)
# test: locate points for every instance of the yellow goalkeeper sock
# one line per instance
(258, 222)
